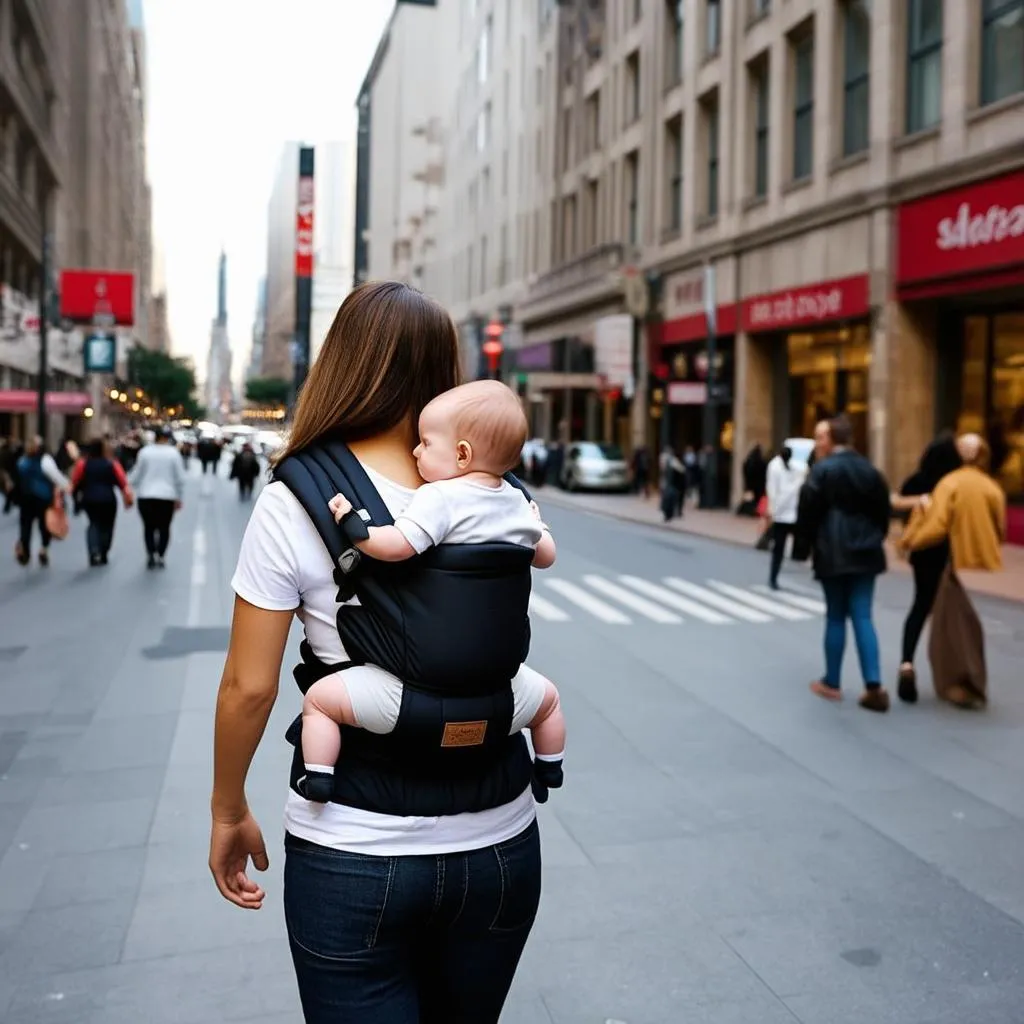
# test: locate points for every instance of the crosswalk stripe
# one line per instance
(589, 603)
(807, 604)
(709, 597)
(776, 608)
(543, 608)
(630, 600)
(682, 604)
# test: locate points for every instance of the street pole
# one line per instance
(44, 294)
(710, 424)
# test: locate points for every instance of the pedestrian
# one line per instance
(95, 481)
(538, 463)
(844, 511)
(39, 482)
(392, 915)
(967, 509)
(245, 468)
(673, 483)
(158, 480)
(67, 455)
(939, 459)
(641, 471)
(128, 452)
(755, 476)
(783, 482)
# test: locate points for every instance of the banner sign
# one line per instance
(304, 218)
(86, 294)
(100, 353)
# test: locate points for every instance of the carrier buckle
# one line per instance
(348, 560)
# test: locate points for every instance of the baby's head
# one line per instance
(475, 428)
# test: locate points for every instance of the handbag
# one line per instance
(56, 518)
(956, 647)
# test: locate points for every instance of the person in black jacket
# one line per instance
(844, 513)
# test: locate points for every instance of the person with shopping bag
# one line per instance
(41, 486)
(967, 508)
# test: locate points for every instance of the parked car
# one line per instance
(595, 467)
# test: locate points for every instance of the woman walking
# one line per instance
(95, 481)
(393, 917)
(784, 480)
(939, 459)
(39, 481)
(158, 480)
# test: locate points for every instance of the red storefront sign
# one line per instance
(965, 232)
(69, 402)
(304, 229)
(84, 294)
(843, 299)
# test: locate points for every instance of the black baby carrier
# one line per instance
(451, 624)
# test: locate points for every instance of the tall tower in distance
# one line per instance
(219, 392)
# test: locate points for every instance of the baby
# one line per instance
(469, 438)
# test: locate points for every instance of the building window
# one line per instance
(760, 82)
(713, 27)
(593, 198)
(1002, 49)
(567, 126)
(592, 124)
(569, 228)
(638, 10)
(760, 9)
(633, 198)
(483, 128)
(674, 40)
(803, 106)
(674, 168)
(483, 54)
(633, 87)
(924, 64)
(856, 75)
(711, 126)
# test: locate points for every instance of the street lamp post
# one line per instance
(44, 293)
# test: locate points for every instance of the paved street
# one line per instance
(727, 848)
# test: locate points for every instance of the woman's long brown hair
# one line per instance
(389, 352)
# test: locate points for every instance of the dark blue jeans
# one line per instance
(850, 597)
(100, 534)
(409, 940)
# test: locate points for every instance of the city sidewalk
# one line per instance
(732, 529)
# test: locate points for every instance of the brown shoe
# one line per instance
(826, 692)
(875, 699)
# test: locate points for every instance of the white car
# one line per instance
(593, 466)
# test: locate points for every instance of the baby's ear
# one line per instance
(463, 454)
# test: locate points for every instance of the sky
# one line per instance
(229, 82)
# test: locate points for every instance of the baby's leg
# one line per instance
(363, 696)
(537, 707)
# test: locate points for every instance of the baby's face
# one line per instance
(437, 456)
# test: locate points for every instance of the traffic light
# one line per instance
(492, 346)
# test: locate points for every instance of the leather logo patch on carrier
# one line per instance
(463, 734)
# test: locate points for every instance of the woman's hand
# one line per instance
(340, 506)
(232, 843)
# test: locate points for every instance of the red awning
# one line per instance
(72, 403)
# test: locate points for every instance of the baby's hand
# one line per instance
(340, 506)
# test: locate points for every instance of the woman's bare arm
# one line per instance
(247, 693)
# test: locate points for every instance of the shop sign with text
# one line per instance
(963, 231)
(842, 299)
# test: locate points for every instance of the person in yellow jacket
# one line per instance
(968, 507)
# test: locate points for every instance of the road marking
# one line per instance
(197, 577)
(588, 602)
(682, 604)
(543, 608)
(638, 604)
(800, 588)
(776, 608)
(709, 597)
(807, 604)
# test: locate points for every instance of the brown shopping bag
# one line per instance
(956, 648)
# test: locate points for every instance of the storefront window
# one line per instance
(974, 398)
(1006, 434)
(828, 372)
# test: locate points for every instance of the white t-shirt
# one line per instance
(462, 511)
(284, 566)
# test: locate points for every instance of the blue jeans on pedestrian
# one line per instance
(100, 534)
(850, 597)
(413, 939)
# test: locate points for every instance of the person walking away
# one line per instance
(673, 483)
(783, 482)
(642, 471)
(245, 468)
(844, 510)
(158, 480)
(39, 480)
(940, 458)
(967, 509)
(95, 481)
